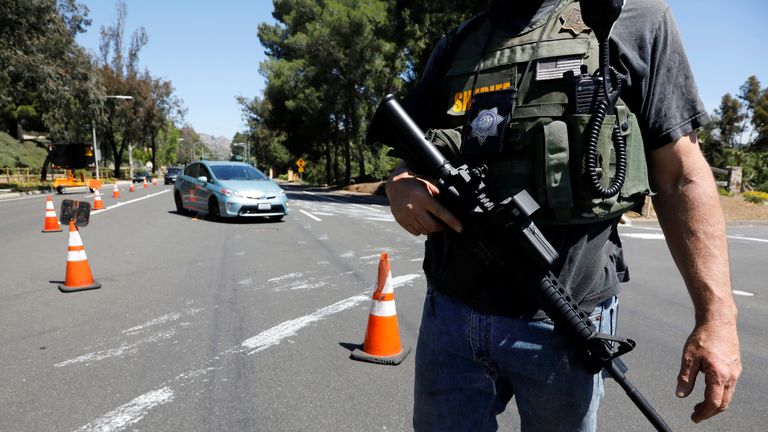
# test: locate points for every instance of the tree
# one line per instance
(327, 66)
(265, 145)
(749, 92)
(760, 122)
(419, 24)
(120, 78)
(731, 117)
(47, 82)
(158, 106)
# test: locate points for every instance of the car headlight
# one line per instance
(281, 193)
(231, 192)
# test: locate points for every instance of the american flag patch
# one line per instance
(553, 68)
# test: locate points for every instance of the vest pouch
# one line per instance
(587, 205)
(636, 185)
(556, 175)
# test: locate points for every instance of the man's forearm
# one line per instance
(690, 215)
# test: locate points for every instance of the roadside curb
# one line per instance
(7, 195)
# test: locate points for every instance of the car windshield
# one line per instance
(173, 171)
(237, 172)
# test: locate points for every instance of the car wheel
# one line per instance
(213, 209)
(179, 205)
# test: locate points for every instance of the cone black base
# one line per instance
(64, 288)
(394, 360)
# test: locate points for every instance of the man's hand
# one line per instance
(688, 207)
(712, 349)
(413, 204)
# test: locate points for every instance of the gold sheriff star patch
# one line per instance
(573, 22)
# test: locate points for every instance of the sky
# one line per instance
(210, 50)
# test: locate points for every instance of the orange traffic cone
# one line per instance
(115, 192)
(382, 337)
(51, 221)
(98, 204)
(131, 188)
(145, 183)
(78, 271)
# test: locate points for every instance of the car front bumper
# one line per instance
(233, 207)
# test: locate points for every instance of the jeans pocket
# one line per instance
(604, 315)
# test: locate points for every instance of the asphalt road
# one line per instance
(248, 325)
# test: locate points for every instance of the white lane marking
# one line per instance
(743, 293)
(160, 320)
(347, 254)
(33, 196)
(734, 237)
(122, 203)
(644, 236)
(276, 334)
(117, 352)
(129, 348)
(131, 413)
(311, 216)
(338, 200)
(283, 277)
(371, 212)
(299, 285)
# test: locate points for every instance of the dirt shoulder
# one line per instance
(735, 208)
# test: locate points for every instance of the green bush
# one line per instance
(724, 192)
(26, 187)
(15, 154)
(756, 197)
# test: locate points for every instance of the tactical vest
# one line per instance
(544, 146)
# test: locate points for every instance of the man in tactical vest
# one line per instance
(515, 89)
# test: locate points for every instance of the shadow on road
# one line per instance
(242, 220)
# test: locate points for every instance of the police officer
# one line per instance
(498, 90)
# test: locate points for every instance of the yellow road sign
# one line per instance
(300, 163)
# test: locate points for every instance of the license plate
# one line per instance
(266, 206)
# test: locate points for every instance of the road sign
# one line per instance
(301, 169)
(79, 211)
(301, 164)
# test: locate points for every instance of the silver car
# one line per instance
(228, 189)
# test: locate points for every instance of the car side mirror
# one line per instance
(203, 179)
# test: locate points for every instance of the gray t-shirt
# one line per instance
(658, 87)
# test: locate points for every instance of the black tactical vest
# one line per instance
(543, 149)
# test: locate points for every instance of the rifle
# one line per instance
(489, 226)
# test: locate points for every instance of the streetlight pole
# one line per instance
(96, 152)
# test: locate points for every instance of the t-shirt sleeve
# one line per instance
(662, 90)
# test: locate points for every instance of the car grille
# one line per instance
(276, 208)
(263, 197)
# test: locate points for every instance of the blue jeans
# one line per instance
(469, 365)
